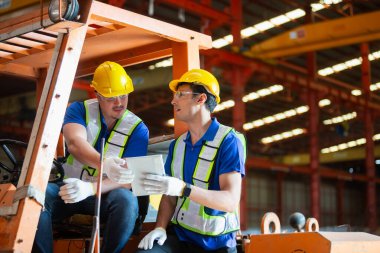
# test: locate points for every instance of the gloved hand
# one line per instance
(155, 184)
(76, 190)
(156, 234)
(113, 168)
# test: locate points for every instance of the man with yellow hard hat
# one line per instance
(85, 124)
(204, 170)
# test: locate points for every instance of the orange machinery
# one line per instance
(309, 241)
(84, 34)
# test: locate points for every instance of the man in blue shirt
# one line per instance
(85, 124)
(204, 168)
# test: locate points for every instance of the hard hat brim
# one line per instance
(173, 85)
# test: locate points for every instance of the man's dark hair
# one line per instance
(199, 88)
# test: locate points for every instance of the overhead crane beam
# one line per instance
(318, 36)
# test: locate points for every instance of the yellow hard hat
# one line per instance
(201, 77)
(111, 80)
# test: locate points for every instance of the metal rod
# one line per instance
(95, 237)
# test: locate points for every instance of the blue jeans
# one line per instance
(118, 210)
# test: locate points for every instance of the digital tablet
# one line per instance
(151, 164)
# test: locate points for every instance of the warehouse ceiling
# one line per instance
(293, 96)
(153, 104)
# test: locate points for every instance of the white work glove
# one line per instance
(156, 234)
(76, 190)
(155, 184)
(113, 167)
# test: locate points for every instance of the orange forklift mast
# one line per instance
(55, 53)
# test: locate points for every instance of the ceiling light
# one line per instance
(361, 141)
(317, 7)
(251, 96)
(282, 115)
(302, 109)
(258, 123)
(342, 146)
(329, 2)
(374, 55)
(162, 64)
(290, 113)
(268, 24)
(279, 116)
(279, 20)
(356, 92)
(248, 32)
(294, 14)
(374, 86)
(170, 122)
(229, 38)
(339, 67)
(224, 105)
(219, 43)
(282, 136)
(269, 119)
(276, 88)
(263, 92)
(324, 102)
(263, 26)
(340, 119)
(354, 62)
(326, 71)
(349, 144)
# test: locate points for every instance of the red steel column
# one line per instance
(369, 147)
(313, 130)
(236, 13)
(314, 155)
(238, 82)
(340, 201)
(238, 78)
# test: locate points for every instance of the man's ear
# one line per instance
(202, 98)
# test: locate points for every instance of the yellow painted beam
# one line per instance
(322, 35)
(351, 154)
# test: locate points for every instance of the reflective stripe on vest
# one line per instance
(115, 143)
(190, 214)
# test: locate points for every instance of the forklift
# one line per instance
(57, 41)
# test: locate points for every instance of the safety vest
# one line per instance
(115, 144)
(190, 214)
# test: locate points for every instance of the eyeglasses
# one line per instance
(181, 94)
(112, 99)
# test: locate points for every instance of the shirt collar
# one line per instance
(210, 133)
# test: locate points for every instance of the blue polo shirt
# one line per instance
(229, 158)
(137, 143)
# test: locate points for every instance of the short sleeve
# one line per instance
(169, 159)
(231, 155)
(75, 113)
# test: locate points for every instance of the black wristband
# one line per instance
(187, 190)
